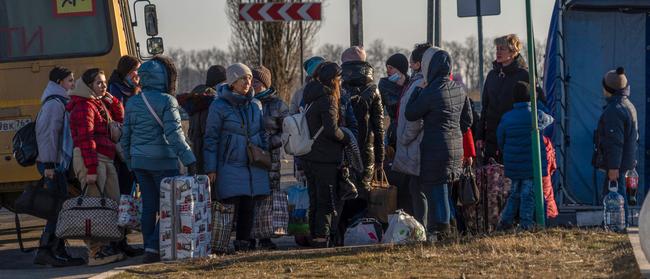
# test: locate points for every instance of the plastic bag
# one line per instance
(130, 209)
(403, 228)
(298, 197)
(365, 231)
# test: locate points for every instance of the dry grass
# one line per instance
(552, 253)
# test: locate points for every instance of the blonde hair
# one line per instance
(511, 41)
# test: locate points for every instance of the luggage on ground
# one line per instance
(185, 217)
(298, 198)
(271, 215)
(403, 228)
(382, 198)
(494, 187)
(89, 218)
(223, 216)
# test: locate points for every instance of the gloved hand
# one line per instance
(191, 169)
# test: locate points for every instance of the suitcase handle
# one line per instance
(383, 182)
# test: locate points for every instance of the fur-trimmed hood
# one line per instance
(159, 75)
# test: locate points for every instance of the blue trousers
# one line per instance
(149, 181)
(438, 212)
(522, 200)
(58, 186)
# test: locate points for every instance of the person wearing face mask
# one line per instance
(497, 99)
(391, 89)
(91, 107)
(124, 83)
(235, 120)
(54, 154)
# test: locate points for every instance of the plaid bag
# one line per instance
(271, 216)
(130, 210)
(223, 216)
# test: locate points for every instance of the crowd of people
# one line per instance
(418, 127)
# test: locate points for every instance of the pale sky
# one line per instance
(201, 24)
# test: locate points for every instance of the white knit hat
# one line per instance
(237, 71)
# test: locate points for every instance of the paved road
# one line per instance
(16, 264)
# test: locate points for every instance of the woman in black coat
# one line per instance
(446, 111)
(321, 164)
(508, 69)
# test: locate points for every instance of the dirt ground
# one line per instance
(556, 253)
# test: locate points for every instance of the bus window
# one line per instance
(47, 29)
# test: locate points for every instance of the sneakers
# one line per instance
(150, 257)
(267, 244)
(105, 255)
(59, 251)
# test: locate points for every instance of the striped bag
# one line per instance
(271, 216)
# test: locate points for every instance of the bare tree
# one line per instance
(331, 52)
(280, 46)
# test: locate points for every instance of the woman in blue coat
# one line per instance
(234, 120)
(153, 142)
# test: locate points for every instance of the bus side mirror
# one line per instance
(151, 20)
(155, 45)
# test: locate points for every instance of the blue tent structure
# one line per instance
(586, 39)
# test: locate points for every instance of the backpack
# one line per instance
(25, 148)
(295, 133)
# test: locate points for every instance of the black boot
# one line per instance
(60, 252)
(45, 254)
(243, 245)
(267, 244)
(127, 249)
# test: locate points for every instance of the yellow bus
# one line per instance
(35, 36)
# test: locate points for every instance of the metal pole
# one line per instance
(480, 45)
(537, 164)
(259, 40)
(356, 23)
(430, 21)
(302, 56)
(437, 25)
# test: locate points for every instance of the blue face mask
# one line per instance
(129, 81)
(394, 78)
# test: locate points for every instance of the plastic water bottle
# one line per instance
(614, 209)
(631, 185)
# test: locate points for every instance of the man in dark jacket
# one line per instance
(443, 106)
(366, 102)
(508, 69)
(617, 135)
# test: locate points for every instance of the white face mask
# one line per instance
(394, 78)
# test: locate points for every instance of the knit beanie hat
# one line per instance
(521, 93)
(355, 53)
(237, 71)
(216, 74)
(262, 74)
(328, 71)
(310, 64)
(400, 62)
(615, 80)
(59, 73)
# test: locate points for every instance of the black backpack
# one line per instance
(25, 148)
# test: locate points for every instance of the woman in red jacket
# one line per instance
(91, 109)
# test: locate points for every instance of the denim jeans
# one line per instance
(58, 186)
(521, 199)
(149, 181)
(438, 205)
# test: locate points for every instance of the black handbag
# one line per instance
(468, 193)
(39, 202)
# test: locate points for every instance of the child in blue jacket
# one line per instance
(514, 140)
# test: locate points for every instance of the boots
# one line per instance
(127, 249)
(45, 254)
(60, 251)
